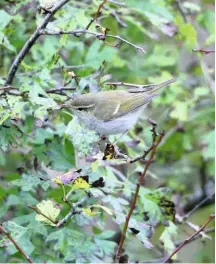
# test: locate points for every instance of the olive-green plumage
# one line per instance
(109, 105)
(112, 112)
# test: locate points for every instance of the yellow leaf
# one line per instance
(57, 180)
(89, 212)
(80, 183)
(106, 209)
(48, 209)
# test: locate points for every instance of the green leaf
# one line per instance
(60, 157)
(106, 234)
(28, 182)
(180, 111)
(208, 151)
(4, 114)
(15, 230)
(168, 236)
(97, 54)
(5, 18)
(143, 238)
(25, 244)
(188, 33)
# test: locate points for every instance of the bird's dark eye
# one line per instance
(80, 109)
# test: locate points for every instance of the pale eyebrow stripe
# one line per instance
(84, 106)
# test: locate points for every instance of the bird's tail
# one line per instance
(152, 88)
(155, 87)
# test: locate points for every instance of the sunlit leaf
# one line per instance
(49, 209)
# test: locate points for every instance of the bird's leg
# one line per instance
(116, 149)
(120, 137)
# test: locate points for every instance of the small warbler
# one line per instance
(113, 112)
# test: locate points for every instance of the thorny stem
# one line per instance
(134, 200)
(15, 244)
(211, 217)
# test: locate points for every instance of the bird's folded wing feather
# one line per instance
(131, 103)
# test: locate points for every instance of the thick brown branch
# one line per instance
(15, 244)
(31, 41)
(211, 217)
(134, 200)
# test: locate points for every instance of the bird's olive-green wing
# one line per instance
(121, 104)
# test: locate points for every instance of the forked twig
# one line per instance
(96, 14)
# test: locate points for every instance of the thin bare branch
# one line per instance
(16, 244)
(211, 217)
(96, 14)
(69, 67)
(100, 36)
(59, 90)
(141, 87)
(207, 231)
(31, 41)
(17, 92)
(56, 68)
(116, 3)
(203, 51)
(199, 205)
(191, 225)
(116, 16)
